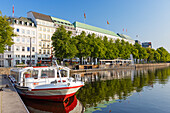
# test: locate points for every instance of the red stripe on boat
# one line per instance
(54, 97)
(56, 88)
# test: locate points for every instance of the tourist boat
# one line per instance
(47, 83)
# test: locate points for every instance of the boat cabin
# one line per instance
(32, 76)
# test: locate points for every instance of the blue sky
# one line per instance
(149, 19)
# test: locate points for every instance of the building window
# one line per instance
(48, 52)
(23, 31)
(17, 61)
(44, 52)
(39, 51)
(43, 44)
(39, 43)
(28, 40)
(52, 30)
(33, 56)
(23, 39)
(23, 61)
(17, 30)
(40, 28)
(48, 37)
(44, 36)
(33, 32)
(33, 49)
(17, 48)
(9, 48)
(9, 56)
(40, 35)
(44, 29)
(28, 56)
(23, 48)
(28, 31)
(43, 23)
(48, 45)
(17, 56)
(28, 48)
(33, 41)
(48, 30)
(18, 39)
(23, 56)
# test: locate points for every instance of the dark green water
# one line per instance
(123, 91)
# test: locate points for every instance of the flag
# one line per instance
(107, 22)
(126, 30)
(84, 15)
(123, 29)
(13, 9)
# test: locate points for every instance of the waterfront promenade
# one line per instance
(10, 101)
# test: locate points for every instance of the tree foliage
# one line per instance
(88, 45)
(6, 33)
(64, 46)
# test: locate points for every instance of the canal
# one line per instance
(121, 91)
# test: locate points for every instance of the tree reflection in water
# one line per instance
(103, 87)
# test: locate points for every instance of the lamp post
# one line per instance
(30, 53)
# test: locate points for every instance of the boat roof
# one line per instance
(40, 67)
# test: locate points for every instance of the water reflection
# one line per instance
(105, 75)
(103, 88)
(72, 105)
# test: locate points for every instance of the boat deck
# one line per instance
(10, 101)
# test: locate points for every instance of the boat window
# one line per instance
(15, 75)
(35, 74)
(27, 74)
(63, 73)
(47, 73)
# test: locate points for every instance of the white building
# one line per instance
(45, 30)
(98, 32)
(18, 53)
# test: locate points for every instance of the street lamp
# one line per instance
(30, 53)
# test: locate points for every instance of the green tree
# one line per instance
(164, 54)
(151, 53)
(64, 46)
(157, 56)
(6, 33)
(82, 46)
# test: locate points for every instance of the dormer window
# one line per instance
(20, 22)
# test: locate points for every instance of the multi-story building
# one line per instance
(45, 29)
(99, 32)
(19, 52)
(147, 44)
(39, 28)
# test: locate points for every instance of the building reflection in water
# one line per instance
(105, 75)
(71, 105)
